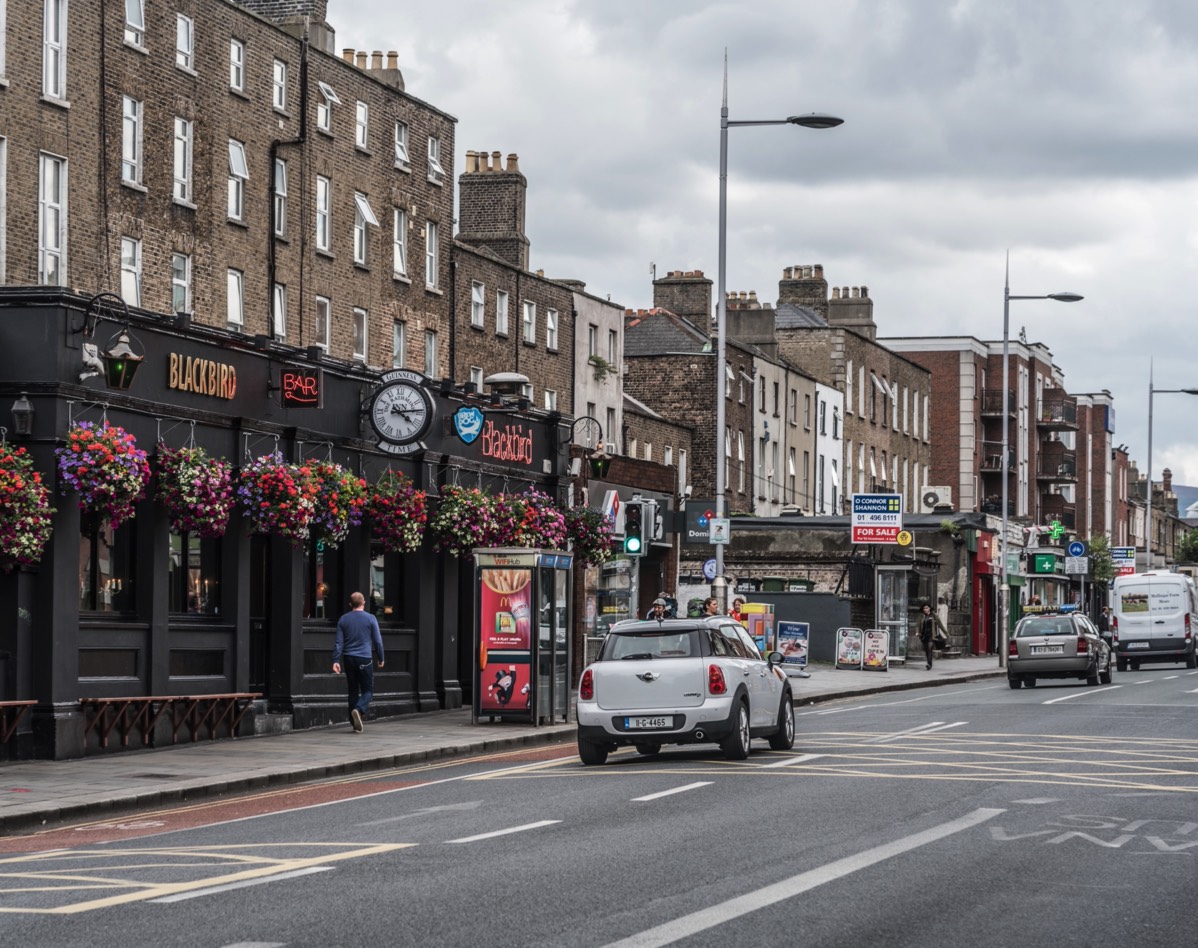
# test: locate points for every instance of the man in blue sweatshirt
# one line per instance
(358, 641)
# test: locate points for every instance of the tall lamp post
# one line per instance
(1148, 519)
(718, 586)
(1004, 596)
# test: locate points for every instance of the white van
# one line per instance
(1154, 619)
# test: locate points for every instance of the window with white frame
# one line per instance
(239, 174)
(431, 259)
(323, 318)
(805, 477)
(399, 343)
(362, 125)
(235, 298)
(792, 407)
(526, 391)
(399, 243)
(430, 353)
(727, 454)
(648, 455)
(740, 461)
(52, 221)
(530, 321)
(612, 443)
(132, 111)
(131, 271)
(278, 85)
(478, 304)
(363, 218)
(324, 195)
(360, 317)
(501, 301)
(324, 107)
(237, 65)
(184, 151)
(435, 172)
(280, 198)
(790, 476)
(185, 42)
(551, 329)
(848, 387)
(402, 158)
(135, 22)
(613, 346)
(54, 49)
(667, 457)
(807, 412)
(278, 311)
(592, 340)
(550, 400)
(632, 446)
(476, 377)
(180, 283)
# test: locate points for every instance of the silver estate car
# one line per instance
(682, 681)
(1065, 645)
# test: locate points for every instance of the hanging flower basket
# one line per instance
(277, 497)
(591, 535)
(340, 498)
(25, 510)
(398, 513)
(104, 466)
(465, 519)
(196, 489)
(542, 524)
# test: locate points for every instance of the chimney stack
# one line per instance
(491, 206)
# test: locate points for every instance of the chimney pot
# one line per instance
(835, 292)
(699, 274)
(496, 161)
(392, 59)
(513, 162)
(347, 55)
(819, 271)
(361, 60)
(471, 162)
(376, 59)
(864, 292)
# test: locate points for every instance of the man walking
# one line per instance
(358, 640)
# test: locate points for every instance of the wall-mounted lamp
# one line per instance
(22, 415)
(121, 361)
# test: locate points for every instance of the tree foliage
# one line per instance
(1098, 548)
(1187, 549)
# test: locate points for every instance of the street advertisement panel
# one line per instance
(506, 609)
(875, 650)
(877, 518)
(506, 687)
(848, 648)
(792, 642)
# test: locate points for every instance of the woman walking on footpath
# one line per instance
(358, 640)
(928, 623)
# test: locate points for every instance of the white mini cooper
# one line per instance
(682, 681)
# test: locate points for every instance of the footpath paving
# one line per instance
(40, 793)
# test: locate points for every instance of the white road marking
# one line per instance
(714, 915)
(945, 727)
(922, 729)
(1037, 801)
(257, 944)
(1192, 673)
(1081, 694)
(199, 893)
(1144, 681)
(670, 793)
(1170, 677)
(787, 761)
(504, 832)
(1194, 692)
(889, 704)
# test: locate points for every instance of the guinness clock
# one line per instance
(401, 411)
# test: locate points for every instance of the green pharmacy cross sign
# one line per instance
(1055, 530)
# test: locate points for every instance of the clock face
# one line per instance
(401, 412)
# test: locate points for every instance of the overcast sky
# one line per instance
(1062, 130)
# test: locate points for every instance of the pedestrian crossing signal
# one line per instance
(634, 522)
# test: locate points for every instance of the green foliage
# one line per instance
(1187, 549)
(602, 367)
(1099, 551)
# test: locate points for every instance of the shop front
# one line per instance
(147, 609)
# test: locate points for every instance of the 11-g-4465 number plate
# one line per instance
(647, 724)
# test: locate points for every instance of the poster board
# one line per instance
(848, 648)
(875, 650)
(793, 638)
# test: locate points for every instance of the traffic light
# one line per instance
(634, 525)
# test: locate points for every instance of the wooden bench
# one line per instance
(11, 713)
(187, 713)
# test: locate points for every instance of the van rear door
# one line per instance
(1152, 614)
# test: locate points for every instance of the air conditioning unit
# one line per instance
(933, 499)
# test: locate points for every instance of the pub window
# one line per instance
(105, 566)
(193, 575)
(383, 600)
(322, 566)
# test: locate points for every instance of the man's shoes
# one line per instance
(356, 716)
(929, 669)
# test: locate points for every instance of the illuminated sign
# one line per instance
(202, 376)
(509, 443)
(301, 387)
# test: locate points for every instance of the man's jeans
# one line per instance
(359, 673)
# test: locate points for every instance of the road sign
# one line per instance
(1077, 548)
(904, 538)
(877, 518)
(1077, 565)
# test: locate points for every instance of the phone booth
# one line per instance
(522, 635)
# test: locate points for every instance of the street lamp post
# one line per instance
(1004, 609)
(718, 586)
(1148, 505)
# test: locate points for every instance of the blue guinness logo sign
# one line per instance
(468, 423)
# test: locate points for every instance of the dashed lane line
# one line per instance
(504, 832)
(1081, 694)
(789, 761)
(669, 793)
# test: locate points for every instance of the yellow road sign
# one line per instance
(904, 538)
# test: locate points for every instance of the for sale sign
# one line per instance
(877, 518)
(1123, 558)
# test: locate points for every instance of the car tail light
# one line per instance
(586, 687)
(1012, 649)
(715, 680)
(1188, 633)
(1083, 644)
(1114, 628)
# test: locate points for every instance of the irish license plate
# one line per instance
(1137, 645)
(647, 724)
(1048, 649)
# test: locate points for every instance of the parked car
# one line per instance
(1057, 646)
(1154, 619)
(682, 681)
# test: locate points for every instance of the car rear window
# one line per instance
(1059, 626)
(651, 642)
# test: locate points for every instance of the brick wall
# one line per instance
(686, 293)
(491, 199)
(658, 433)
(278, 9)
